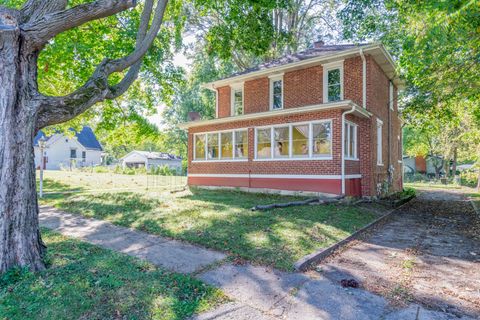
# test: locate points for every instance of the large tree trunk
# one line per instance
(20, 241)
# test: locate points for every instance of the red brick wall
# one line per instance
(378, 103)
(353, 80)
(224, 102)
(256, 95)
(303, 87)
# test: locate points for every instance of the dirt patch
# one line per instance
(429, 252)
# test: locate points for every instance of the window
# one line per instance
(237, 100)
(264, 143)
(390, 96)
(300, 140)
(333, 82)
(73, 153)
(322, 139)
(276, 93)
(221, 146)
(350, 141)
(226, 139)
(199, 147)
(241, 144)
(281, 140)
(295, 141)
(379, 142)
(212, 145)
(84, 156)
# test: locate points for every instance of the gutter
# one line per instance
(364, 79)
(343, 145)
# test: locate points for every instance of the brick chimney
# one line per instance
(193, 116)
(318, 44)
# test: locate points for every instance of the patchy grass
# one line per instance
(222, 220)
(421, 185)
(86, 282)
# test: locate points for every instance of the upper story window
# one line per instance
(333, 82)
(390, 95)
(237, 100)
(276, 92)
(379, 142)
(350, 141)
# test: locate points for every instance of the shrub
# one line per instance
(469, 178)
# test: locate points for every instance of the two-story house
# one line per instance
(324, 120)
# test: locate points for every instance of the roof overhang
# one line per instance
(340, 105)
(377, 50)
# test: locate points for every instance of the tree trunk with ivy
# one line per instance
(24, 110)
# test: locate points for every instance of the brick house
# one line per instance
(324, 120)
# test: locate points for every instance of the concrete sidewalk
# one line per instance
(259, 293)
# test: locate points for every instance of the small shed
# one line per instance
(149, 159)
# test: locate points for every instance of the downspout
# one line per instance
(364, 79)
(343, 146)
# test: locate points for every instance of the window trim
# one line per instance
(328, 67)
(347, 143)
(379, 143)
(205, 159)
(272, 79)
(233, 88)
(310, 155)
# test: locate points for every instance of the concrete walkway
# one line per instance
(259, 293)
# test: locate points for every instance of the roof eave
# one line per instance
(344, 104)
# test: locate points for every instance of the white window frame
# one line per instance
(310, 155)
(233, 159)
(328, 67)
(390, 95)
(351, 125)
(273, 78)
(234, 88)
(379, 142)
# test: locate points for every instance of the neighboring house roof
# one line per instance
(154, 155)
(312, 56)
(85, 137)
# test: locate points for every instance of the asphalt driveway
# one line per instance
(427, 253)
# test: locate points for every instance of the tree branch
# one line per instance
(40, 30)
(35, 9)
(54, 110)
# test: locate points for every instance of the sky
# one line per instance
(180, 60)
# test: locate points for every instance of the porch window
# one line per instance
(281, 140)
(276, 93)
(237, 100)
(212, 146)
(226, 139)
(264, 143)
(350, 141)
(241, 144)
(379, 142)
(199, 147)
(322, 139)
(300, 141)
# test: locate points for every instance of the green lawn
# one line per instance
(222, 220)
(86, 282)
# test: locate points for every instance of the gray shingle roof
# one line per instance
(300, 56)
(158, 155)
(86, 138)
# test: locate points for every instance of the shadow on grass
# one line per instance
(222, 220)
(85, 281)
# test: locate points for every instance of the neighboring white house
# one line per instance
(69, 152)
(146, 159)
